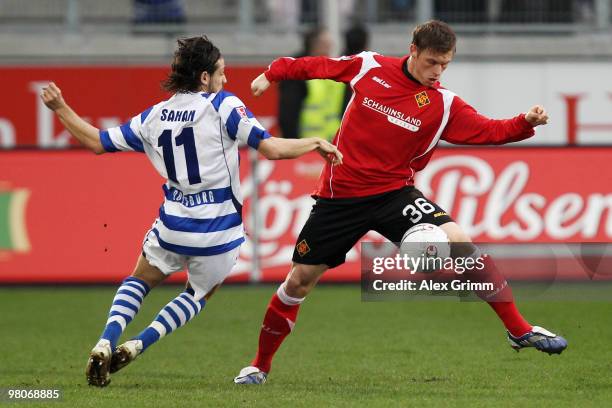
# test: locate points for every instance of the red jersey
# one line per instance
(392, 123)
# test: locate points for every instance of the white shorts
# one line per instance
(203, 272)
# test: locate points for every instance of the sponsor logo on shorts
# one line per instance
(422, 99)
(439, 214)
(302, 247)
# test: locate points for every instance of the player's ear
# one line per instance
(414, 51)
(205, 80)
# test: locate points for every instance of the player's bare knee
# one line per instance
(151, 275)
(297, 287)
(150, 279)
(302, 279)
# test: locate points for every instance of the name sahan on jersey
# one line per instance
(168, 115)
(393, 115)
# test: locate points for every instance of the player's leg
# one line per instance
(205, 274)
(409, 208)
(279, 320)
(330, 232)
(500, 298)
(125, 305)
(129, 297)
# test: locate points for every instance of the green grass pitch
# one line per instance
(343, 352)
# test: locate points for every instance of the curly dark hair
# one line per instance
(434, 35)
(193, 56)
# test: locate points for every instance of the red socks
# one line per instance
(278, 322)
(513, 320)
(500, 298)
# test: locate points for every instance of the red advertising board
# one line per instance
(109, 94)
(70, 216)
(105, 95)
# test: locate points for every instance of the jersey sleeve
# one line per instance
(342, 69)
(467, 126)
(240, 123)
(127, 137)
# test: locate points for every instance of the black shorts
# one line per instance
(335, 225)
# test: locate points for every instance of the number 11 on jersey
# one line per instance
(186, 139)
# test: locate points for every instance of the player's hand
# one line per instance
(536, 116)
(329, 152)
(51, 95)
(259, 85)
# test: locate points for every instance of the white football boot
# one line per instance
(98, 364)
(125, 354)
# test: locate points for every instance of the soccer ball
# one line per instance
(427, 242)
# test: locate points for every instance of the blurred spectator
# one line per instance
(356, 40)
(585, 11)
(311, 108)
(159, 11)
(284, 15)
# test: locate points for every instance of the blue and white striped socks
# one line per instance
(174, 315)
(125, 305)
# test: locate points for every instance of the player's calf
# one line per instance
(174, 315)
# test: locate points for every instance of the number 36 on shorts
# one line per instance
(416, 210)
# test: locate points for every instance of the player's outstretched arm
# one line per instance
(342, 69)
(275, 148)
(84, 132)
(467, 126)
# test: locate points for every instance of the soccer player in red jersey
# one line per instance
(398, 113)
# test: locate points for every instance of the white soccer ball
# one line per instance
(427, 242)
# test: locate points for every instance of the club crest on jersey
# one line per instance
(422, 99)
(302, 248)
(242, 112)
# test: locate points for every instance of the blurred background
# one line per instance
(69, 217)
(130, 31)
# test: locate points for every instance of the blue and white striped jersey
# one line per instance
(192, 140)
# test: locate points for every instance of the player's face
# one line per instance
(428, 65)
(217, 79)
(323, 44)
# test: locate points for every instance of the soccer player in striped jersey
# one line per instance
(192, 140)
